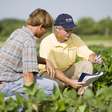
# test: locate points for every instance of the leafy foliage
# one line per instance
(85, 26)
(66, 101)
(88, 26)
(106, 67)
(99, 100)
(7, 26)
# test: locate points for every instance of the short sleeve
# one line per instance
(44, 49)
(29, 56)
(84, 52)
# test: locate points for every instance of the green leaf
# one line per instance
(82, 108)
(88, 94)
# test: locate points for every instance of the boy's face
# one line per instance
(40, 31)
(62, 35)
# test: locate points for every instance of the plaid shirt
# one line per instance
(18, 55)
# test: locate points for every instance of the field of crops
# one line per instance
(98, 40)
(99, 99)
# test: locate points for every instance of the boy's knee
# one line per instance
(47, 85)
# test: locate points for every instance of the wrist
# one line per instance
(70, 82)
(92, 58)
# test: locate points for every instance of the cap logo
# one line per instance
(68, 20)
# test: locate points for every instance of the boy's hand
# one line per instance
(28, 79)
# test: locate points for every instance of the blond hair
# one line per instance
(40, 17)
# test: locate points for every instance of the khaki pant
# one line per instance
(75, 71)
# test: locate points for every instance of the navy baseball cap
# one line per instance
(65, 20)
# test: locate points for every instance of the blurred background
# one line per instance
(93, 17)
(94, 26)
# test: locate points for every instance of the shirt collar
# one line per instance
(65, 44)
(27, 30)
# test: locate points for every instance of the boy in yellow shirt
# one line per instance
(62, 47)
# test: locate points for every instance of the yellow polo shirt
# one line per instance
(63, 55)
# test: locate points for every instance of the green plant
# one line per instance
(106, 67)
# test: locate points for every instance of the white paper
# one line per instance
(91, 78)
